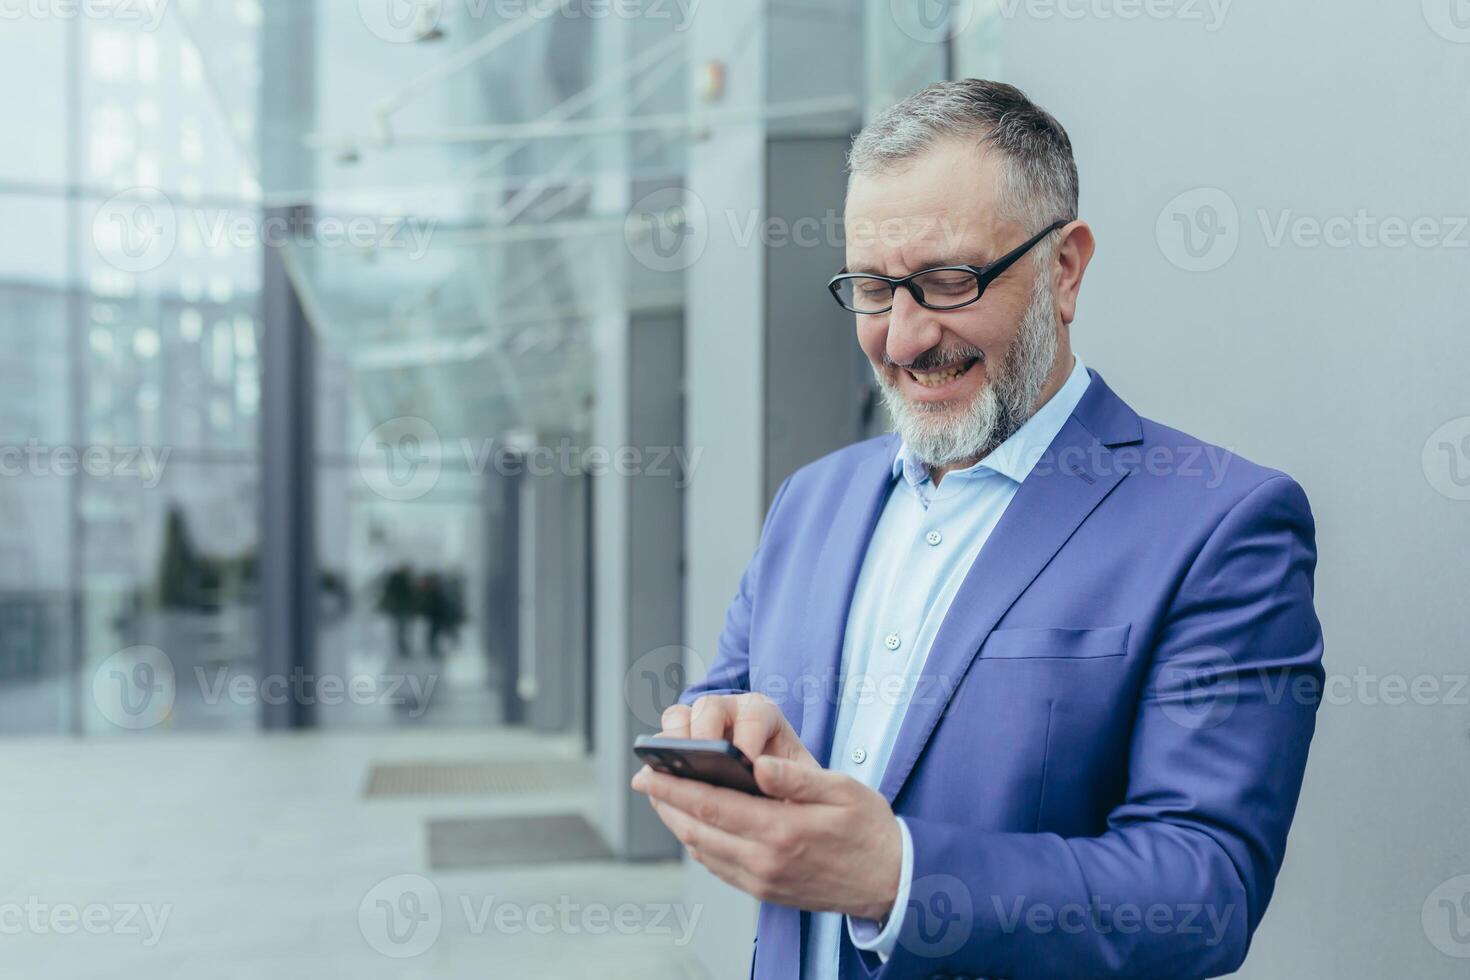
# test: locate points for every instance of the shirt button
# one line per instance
(892, 642)
(933, 538)
(859, 756)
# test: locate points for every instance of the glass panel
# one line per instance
(31, 62)
(36, 621)
(169, 276)
(907, 47)
(132, 388)
(462, 321)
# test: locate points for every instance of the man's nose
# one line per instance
(912, 330)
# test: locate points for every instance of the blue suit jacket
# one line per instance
(1103, 755)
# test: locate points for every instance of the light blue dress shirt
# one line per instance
(925, 541)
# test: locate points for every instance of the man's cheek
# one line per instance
(872, 338)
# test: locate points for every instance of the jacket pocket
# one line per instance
(1056, 643)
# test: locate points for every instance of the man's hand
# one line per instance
(752, 722)
(823, 841)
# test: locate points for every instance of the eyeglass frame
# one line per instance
(984, 276)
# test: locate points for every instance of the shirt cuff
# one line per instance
(881, 938)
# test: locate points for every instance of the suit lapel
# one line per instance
(834, 580)
(1065, 487)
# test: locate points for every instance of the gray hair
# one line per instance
(1038, 174)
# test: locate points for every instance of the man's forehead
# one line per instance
(941, 207)
(916, 241)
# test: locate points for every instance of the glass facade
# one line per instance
(132, 380)
(455, 238)
(471, 205)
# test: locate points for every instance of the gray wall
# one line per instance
(1334, 363)
(817, 379)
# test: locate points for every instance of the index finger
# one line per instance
(712, 716)
(757, 722)
(675, 721)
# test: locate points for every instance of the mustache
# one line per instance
(935, 359)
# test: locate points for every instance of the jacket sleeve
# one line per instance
(1175, 886)
(730, 672)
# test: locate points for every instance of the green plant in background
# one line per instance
(188, 579)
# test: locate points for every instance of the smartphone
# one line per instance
(713, 761)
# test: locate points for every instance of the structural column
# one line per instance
(287, 567)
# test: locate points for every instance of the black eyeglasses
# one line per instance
(946, 287)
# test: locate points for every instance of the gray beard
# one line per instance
(1013, 386)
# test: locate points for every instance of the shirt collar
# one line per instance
(1018, 455)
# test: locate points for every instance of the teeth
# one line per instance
(933, 379)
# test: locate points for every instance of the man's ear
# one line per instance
(1073, 253)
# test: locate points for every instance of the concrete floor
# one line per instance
(214, 857)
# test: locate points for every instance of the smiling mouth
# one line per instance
(942, 377)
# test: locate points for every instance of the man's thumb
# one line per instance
(783, 779)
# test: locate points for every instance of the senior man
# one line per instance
(1030, 682)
